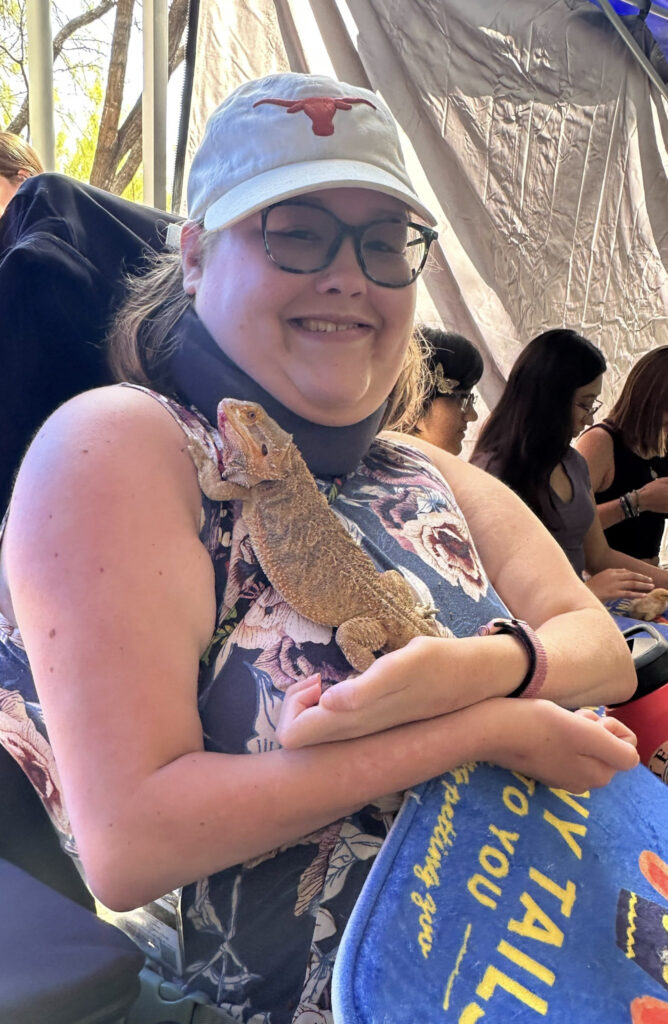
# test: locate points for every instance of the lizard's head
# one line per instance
(255, 448)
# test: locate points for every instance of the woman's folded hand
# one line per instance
(572, 750)
(430, 676)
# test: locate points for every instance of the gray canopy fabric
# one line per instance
(530, 128)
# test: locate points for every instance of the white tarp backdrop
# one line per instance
(532, 130)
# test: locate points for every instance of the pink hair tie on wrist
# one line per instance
(532, 644)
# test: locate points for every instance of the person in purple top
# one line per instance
(550, 397)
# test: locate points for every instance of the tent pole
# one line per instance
(40, 77)
(616, 21)
(154, 103)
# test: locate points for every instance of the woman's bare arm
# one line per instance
(600, 557)
(597, 448)
(114, 596)
(588, 661)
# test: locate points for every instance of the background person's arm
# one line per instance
(588, 660)
(597, 448)
(615, 574)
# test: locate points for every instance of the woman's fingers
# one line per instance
(612, 743)
(612, 725)
(633, 581)
(304, 720)
(589, 713)
(303, 725)
(572, 751)
(612, 584)
(617, 728)
(348, 695)
(304, 684)
(303, 694)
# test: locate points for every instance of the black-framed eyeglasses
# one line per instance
(302, 238)
(591, 408)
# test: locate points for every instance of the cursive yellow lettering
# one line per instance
(428, 908)
(427, 875)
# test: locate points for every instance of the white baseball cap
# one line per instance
(289, 134)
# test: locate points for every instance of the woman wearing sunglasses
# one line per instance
(453, 367)
(551, 395)
(145, 652)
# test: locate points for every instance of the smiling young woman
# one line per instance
(328, 344)
(150, 659)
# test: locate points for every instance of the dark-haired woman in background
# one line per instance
(628, 463)
(550, 397)
(454, 367)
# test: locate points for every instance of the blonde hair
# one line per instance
(17, 156)
(408, 396)
(139, 343)
(137, 346)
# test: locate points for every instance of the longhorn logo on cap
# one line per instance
(320, 109)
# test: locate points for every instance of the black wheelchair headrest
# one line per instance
(65, 251)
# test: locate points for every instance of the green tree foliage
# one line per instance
(75, 152)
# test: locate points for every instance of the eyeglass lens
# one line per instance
(302, 239)
(465, 399)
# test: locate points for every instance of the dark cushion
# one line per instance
(28, 839)
(65, 249)
(60, 963)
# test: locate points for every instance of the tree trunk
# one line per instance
(106, 152)
(18, 123)
(127, 138)
(118, 150)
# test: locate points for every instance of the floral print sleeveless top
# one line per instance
(260, 938)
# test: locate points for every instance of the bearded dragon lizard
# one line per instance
(648, 607)
(304, 550)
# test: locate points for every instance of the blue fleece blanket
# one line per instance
(495, 899)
